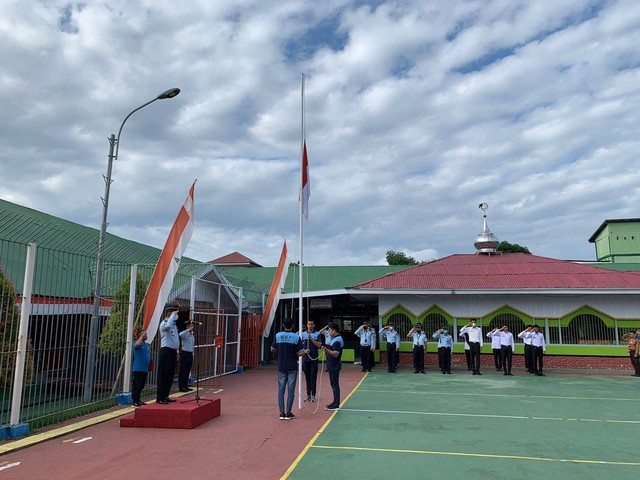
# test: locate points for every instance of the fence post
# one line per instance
(21, 353)
(238, 368)
(615, 328)
(126, 377)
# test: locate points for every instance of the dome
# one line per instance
(486, 242)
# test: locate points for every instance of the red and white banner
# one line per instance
(306, 184)
(168, 263)
(274, 292)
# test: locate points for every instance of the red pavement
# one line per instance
(247, 441)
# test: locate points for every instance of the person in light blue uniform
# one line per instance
(140, 369)
(312, 341)
(288, 347)
(445, 348)
(367, 344)
(393, 347)
(333, 352)
(168, 356)
(419, 342)
(186, 357)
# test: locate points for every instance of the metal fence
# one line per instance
(57, 345)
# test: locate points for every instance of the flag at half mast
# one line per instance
(167, 267)
(306, 184)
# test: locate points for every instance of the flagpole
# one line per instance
(300, 302)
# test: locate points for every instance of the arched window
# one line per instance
(515, 324)
(588, 329)
(402, 324)
(433, 322)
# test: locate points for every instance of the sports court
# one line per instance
(491, 427)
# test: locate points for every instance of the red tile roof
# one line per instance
(507, 271)
(235, 258)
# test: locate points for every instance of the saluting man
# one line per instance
(367, 345)
(419, 341)
(393, 346)
(168, 356)
(474, 338)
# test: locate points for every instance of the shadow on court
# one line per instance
(490, 427)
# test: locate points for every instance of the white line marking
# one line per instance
(513, 417)
(83, 440)
(9, 465)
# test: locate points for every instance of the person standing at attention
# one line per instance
(507, 347)
(539, 348)
(312, 341)
(168, 356)
(140, 370)
(633, 339)
(186, 358)
(288, 347)
(496, 348)
(333, 353)
(367, 345)
(419, 342)
(445, 348)
(528, 350)
(393, 347)
(474, 336)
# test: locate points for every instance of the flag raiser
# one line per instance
(274, 293)
(168, 263)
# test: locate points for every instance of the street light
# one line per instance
(114, 143)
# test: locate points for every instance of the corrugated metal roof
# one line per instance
(507, 271)
(315, 279)
(67, 254)
(235, 258)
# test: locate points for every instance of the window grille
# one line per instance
(514, 322)
(588, 329)
(434, 322)
(402, 324)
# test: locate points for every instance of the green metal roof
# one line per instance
(315, 279)
(66, 258)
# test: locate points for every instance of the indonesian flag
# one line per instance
(306, 185)
(168, 263)
(274, 292)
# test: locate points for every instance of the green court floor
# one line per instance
(405, 425)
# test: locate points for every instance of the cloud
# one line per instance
(415, 113)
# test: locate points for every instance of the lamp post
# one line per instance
(114, 146)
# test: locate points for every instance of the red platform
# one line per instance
(180, 414)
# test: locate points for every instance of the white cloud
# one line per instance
(415, 113)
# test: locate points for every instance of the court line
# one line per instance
(554, 397)
(484, 415)
(480, 455)
(315, 437)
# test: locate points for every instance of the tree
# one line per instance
(506, 247)
(113, 338)
(9, 325)
(400, 258)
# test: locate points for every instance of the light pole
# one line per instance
(114, 144)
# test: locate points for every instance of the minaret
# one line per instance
(486, 242)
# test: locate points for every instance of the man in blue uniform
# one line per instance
(168, 356)
(367, 345)
(288, 347)
(445, 348)
(333, 352)
(419, 342)
(186, 358)
(312, 341)
(393, 347)
(141, 360)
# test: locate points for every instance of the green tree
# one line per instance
(400, 258)
(113, 337)
(9, 325)
(506, 247)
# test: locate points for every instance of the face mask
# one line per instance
(445, 331)
(473, 324)
(391, 329)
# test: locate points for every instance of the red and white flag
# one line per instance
(168, 263)
(274, 292)
(306, 184)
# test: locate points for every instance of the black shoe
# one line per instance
(541, 374)
(478, 373)
(416, 371)
(505, 373)
(510, 374)
(162, 402)
(283, 416)
(473, 373)
(448, 373)
(169, 399)
(422, 371)
(137, 404)
(332, 406)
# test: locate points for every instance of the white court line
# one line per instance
(83, 440)
(554, 397)
(480, 415)
(9, 465)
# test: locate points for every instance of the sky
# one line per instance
(415, 113)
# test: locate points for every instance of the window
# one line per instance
(589, 330)
(433, 322)
(402, 324)
(515, 324)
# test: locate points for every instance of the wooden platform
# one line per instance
(184, 413)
